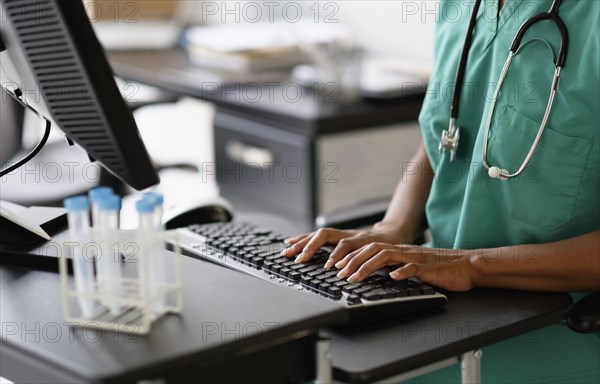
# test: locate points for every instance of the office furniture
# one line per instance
(225, 326)
(276, 142)
(393, 350)
(233, 327)
(401, 349)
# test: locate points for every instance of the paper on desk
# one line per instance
(263, 37)
(391, 77)
(143, 35)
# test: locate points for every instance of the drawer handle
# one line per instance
(248, 154)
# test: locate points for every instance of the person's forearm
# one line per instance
(406, 212)
(567, 265)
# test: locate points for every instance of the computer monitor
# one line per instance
(52, 56)
(52, 62)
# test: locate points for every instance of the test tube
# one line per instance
(95, 195)
(146, 236)
(109, 264)
(158, 262)
(79, 229)
(157, 199)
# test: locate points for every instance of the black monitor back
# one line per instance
(54, 58)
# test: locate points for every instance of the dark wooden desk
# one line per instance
(179, 347)
(425, 342)
(230, 326)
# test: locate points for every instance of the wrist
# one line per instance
(399, 234)
(475, 261)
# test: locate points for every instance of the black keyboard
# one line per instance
(256, 251)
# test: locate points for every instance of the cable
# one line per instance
(31, 154)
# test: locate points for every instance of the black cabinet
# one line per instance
(302, 167)
(286, 150)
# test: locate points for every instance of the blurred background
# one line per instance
(261, 102)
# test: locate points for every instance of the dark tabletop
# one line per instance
(243, 310)
(467, 322)
(277, 101)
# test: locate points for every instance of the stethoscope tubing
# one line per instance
(450, 137)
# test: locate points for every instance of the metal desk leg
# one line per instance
(470, 366)
(324, 368)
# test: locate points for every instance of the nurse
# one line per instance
(539, 231)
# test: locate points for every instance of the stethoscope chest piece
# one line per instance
(450, 139)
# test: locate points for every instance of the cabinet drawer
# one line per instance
(264, 168)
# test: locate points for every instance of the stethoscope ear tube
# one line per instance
(564, 44)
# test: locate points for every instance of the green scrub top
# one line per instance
(556, 197)
(558, 194)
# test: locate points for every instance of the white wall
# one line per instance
(403, 28)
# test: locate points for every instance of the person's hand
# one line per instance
(304, 247)
(449, 269)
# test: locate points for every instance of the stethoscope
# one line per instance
(450, 138)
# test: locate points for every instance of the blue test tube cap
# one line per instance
(110, 203)
(99, 192)
(155, 198)
(144, 206)
(77, 203)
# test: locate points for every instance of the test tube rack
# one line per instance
(140, 298)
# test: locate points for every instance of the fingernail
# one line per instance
(286, 241)
(352, 278)
(328, 264)
(299, 259)
(338, 265)
(394, 275)
(341, 274)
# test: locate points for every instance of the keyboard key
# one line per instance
(267, 265)
(354, 299)
(386, 293)
(256, 262)
(335, 291)
(294, 276)
(374, 279)
(351, 287)
(341, 283)
(307, 269)
(427, 290)
(324, 287)
(371, 296)
(361, 291)
(330, 273)
(367, 286)
(399, 292)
